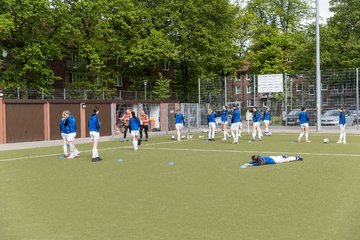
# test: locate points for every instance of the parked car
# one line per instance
(356, 118)
(331, 118)
(293, 117)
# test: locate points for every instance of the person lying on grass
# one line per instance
(257, 160)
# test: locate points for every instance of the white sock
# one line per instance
(225, 134)
(209, 133)
(301, 135)
(260, 134)
(233, 135)
(344, 137)
(266, 129)
(135, 144)
(213, 134)
(306, 136)
(291, 159)
(65, 149)
(253, 135)
(341, 137)
(95, 153)
(178, 133)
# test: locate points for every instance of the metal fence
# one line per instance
(340, 88)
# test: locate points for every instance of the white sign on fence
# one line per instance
(270, 83)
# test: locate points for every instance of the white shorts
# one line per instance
(256, 124)
(224, 122)
(278, 159)
(342, 125)
(135, 133)
(71, 137)
(94, 135)
(235, 126)
(267, 121)
(178, 126)
(212, 125)
(64, 136)
(304, 125)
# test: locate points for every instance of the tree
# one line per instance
(161, 90)
(28, 29)
(273, 32)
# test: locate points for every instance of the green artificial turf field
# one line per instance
(183, 190)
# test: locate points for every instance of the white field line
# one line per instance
(191, 150)
(85, 151)
(245, 151)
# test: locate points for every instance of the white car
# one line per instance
(331, 118)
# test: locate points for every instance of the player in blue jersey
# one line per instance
(94, 129)
(63, 133)
(257, 160)
(224, 121)
(134, 125)
(179, 121)
(267, 119)
(342, 125)
(304, 125)
(70, 125)
(236, 124)
(212, 124)
(256, 124)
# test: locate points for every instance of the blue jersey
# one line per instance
(70, 124)
(224, 115)
(211, 117)
(94, 123)
(303, 117)
(267, 160)
(179, 118)
(342, 118)
(62, 126)
(256, 117)
(134, 124)
(266, 116)
(236, 116)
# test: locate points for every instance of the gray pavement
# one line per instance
(275, 129)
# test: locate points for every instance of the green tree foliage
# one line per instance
(273, 32)
(29, 29)
(161, 90)
(342, 47)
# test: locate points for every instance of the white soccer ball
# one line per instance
(326, 140)
(173, 137)
(183, 137)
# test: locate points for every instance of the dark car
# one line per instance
(293, 117)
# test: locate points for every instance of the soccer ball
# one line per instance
(183, 137)
(326, 140)
(173, 137)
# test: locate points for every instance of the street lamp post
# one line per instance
(145, 83)
(4, 55)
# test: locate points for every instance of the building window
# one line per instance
(75, 79)
(247, 77)
(311, 90)
(299, 87)
(325, 102)
(238, 90)
(119, 81)
(249, 89)
(324, 87)
(165, 66)
(237, 78)
(250, 102)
